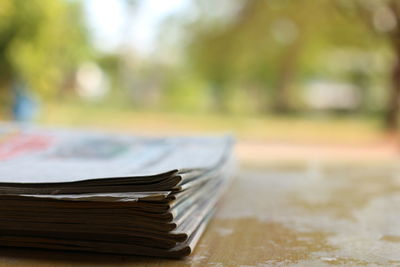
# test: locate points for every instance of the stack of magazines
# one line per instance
(87, 191)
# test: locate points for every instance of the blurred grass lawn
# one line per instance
(315, 130)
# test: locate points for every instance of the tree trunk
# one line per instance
(393, 106)
(286, 76)
(219, 97)
(5, 99)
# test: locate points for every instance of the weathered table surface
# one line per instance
(312, 216)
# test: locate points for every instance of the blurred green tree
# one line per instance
(278, 44)
(262, 43)
(382, 19)
(41, 43)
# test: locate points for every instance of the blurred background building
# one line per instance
(272, 71)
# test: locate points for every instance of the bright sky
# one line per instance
(111, 24)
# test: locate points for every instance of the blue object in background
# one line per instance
(24, 106)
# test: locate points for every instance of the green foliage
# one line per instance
(244, 56)
(41, 41)
(276, 45)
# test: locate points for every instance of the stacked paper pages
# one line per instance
(97, 192)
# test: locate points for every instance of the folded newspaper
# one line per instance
(86, 191)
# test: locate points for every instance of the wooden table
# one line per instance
(305, 216)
